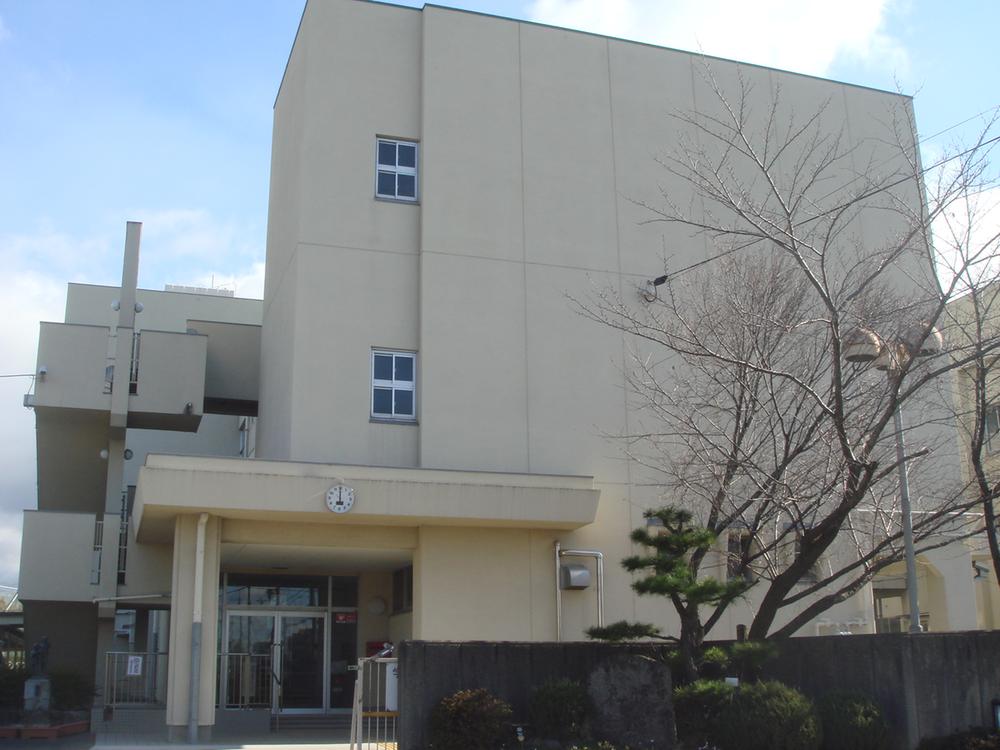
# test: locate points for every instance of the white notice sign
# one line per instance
(134, 666)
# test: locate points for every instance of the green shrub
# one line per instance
(974, 739)
(469, 720)
(755, 716)
(768, 716)
(749, 658)
(558, 710)
(698, 707)
(11, 689)
(852, 721)
(70, 691)
(713, 663)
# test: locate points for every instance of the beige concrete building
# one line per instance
(431, 411)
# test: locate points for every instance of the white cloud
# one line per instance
(248, 282)
(58, 255)
(4, 31)
(28, 297)
(800, 36)
(193, 247)
(967, 231)
(10, 550)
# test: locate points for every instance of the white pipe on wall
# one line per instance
(196, 619)
(599, 557)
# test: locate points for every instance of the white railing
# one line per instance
(375, 713)
(122, 547)
(135, 679)
(133, 370)
(95, 558)
(246, 681)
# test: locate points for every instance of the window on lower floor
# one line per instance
(394, 377)
(395, 169)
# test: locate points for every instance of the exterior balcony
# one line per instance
(88, 553)
(98, 558)
(76, 370)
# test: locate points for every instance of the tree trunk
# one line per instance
(691, 639)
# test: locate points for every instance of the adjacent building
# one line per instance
(393, 443)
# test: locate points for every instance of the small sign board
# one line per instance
(345, 617)
(134, 668)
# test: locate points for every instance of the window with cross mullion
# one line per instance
(393, 385)
(396, 169)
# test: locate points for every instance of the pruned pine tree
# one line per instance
(669, 568)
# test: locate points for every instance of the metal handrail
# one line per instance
(375, 709)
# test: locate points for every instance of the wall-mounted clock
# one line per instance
(340, 498)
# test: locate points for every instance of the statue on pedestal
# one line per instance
(37, 688)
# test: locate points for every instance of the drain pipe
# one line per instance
(196, 617)
(599, 557)
(558, 550)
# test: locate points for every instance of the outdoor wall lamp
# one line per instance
(648, 291)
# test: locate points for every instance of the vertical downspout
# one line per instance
(196, 617)
(558, 596)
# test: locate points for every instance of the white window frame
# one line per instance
(394, 386)
(398, 170)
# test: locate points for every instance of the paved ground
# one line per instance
(303, 740)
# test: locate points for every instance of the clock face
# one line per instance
(340, 498)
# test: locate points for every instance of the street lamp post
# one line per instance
(865, 346)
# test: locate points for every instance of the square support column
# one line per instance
(183, 627)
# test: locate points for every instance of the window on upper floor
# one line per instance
(395, 169)
(394, 378)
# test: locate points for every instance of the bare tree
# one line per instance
(966, 199)
(752, 414)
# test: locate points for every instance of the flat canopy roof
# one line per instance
(289, 491)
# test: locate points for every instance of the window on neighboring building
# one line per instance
(396, 169)
(815, 572)
(991, 428)
(740, 548)
(393, 385)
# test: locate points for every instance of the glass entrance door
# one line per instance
(288, 643)
(300, 649)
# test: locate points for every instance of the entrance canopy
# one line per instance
(303, 493)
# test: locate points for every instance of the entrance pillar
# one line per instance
(193, 571)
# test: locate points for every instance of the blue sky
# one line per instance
(160, 112)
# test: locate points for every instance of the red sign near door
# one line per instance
(345, 617)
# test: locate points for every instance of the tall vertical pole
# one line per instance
(196, 620)
(904, 499)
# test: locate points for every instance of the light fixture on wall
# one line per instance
(377, 606)
(648, 291)
(128, 454)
